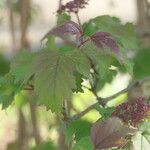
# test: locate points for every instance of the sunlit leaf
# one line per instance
(141, 142)
(84, 144)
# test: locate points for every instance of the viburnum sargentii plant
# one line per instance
(94, 51)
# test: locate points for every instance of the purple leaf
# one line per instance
(109, 133)
(69, 28)
(102, 39)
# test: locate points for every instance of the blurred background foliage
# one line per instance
(23, 23)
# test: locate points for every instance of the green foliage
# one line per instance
(105, 112)
(20, 65)
(7, 90)
(21, 98)
(84, 143)
(79, 80)
(4, 65)
(50, 44)
(62, 18)
(94, 53)
(141, 140)
(124, 33)
(103, 63)
(142, 64)
(54, 76)
(79, 129)
(45, 146)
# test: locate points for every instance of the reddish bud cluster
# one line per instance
(73, 6)
(133, 112)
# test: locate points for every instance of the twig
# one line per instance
(105, 100)
(60, 3)
(36, 132)
(78, 18)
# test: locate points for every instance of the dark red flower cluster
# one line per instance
(133, 112)
(73, 6)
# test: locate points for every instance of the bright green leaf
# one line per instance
(79, 129)
(84, 144)
(140, 142)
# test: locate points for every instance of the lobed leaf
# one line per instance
(54, 76)
(125, 34)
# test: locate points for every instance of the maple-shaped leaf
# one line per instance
(105, 40)
(54, 76)
(109, 133)
(69, 28)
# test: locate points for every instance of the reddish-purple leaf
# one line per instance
(104, 39)
(69, 28)
(109, 133)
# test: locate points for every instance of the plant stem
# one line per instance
(78, 19)
(104, 101)
(60, 3)
(34, 123)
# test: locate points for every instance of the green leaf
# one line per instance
(21, 99)
(7, 90)
(54, 76)
(45, 146)
(78, 128)
(142, 64)
(102, 63)
(84, 144)
(51, 43)
(124, 33)
(79, 80)
(62, 18)
(4, 65)
(140, 142)
(145, 127)
(20, 65)
(105, 112)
